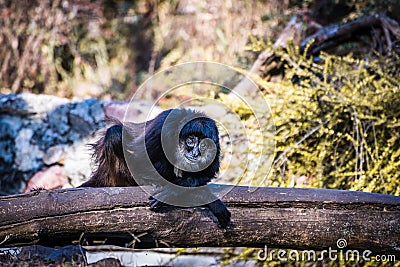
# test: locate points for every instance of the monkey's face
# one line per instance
(195, 153)
(190, 143)
(196, 148)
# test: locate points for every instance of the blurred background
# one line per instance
(105, 49)
(335, 101)
(330, 71)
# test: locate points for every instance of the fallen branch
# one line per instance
(277, 217)
(291, 31)
(334, 34)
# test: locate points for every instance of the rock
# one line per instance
(77, 163)
(43, 256)
(116, 110)
(58, 119)
(26, 103)
(80, 119)
(97, 112)
(135, 111)
(54, 154)
(108, 262)
(35, 131)
(9, 127)
(27, 156)
(70, 253)
(7, 148)
(12, 180)
(50, 178)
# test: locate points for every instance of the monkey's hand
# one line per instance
(159, 196)
(220, 211)
(217, 207)
(155, 204)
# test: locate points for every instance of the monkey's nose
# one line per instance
(195, 152)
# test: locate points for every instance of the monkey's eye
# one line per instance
(190, 142)
(203, 146)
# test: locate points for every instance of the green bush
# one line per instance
(337, 122)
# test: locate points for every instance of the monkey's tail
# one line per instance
(108, 155)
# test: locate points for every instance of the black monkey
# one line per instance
(178, 146)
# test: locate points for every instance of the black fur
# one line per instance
(144, 143)
(111, 169)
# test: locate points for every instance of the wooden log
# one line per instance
(277, 217)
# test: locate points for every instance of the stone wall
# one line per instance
(44, 139)
(38, 132)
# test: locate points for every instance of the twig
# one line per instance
(283, 155)
(5, 239)
(291, 31)
(343, 31)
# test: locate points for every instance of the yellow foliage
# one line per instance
(336, 122)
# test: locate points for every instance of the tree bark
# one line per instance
(277, 217)
(334, 34)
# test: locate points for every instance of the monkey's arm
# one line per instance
(169, 195)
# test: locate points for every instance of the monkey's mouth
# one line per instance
(191, 159)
